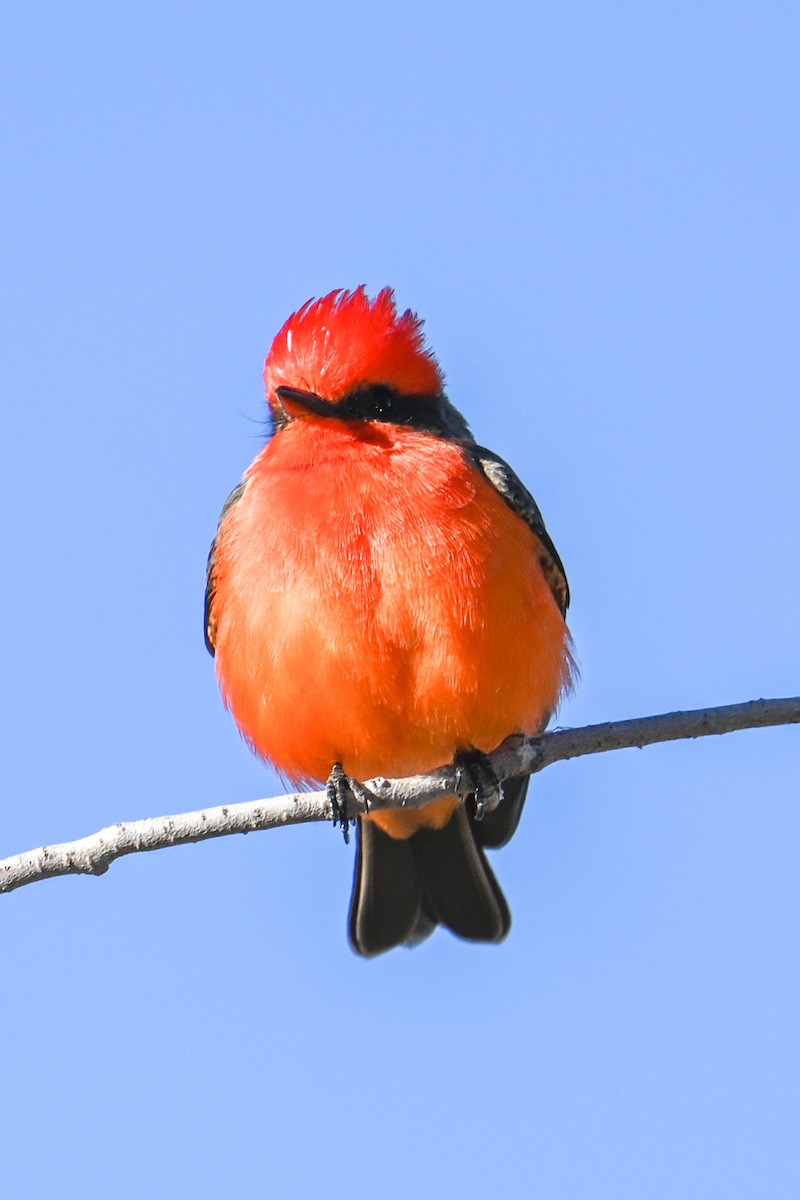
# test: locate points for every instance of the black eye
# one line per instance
(381, 403)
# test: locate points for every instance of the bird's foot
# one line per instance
(476, 779)
(344, 795)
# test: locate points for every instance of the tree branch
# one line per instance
(518, 755)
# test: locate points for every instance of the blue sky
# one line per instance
(594, 206)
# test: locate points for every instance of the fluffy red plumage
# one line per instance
(383, 594)
(344, 340)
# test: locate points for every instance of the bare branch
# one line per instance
(518, 755)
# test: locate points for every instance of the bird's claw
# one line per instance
(344, 794)
(477, 779)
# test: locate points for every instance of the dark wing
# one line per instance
(210, 618)
(498, 826)
(517, 497)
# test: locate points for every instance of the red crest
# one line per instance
(345, 340)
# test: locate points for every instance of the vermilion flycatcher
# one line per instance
(383, 598)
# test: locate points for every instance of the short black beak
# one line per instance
(309, 400)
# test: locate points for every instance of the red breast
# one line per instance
(379, 604)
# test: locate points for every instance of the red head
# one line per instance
(346, 341)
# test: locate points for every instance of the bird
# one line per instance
(383, 598)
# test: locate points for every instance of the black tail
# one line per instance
(404, 889)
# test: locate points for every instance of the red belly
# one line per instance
(379, 604)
